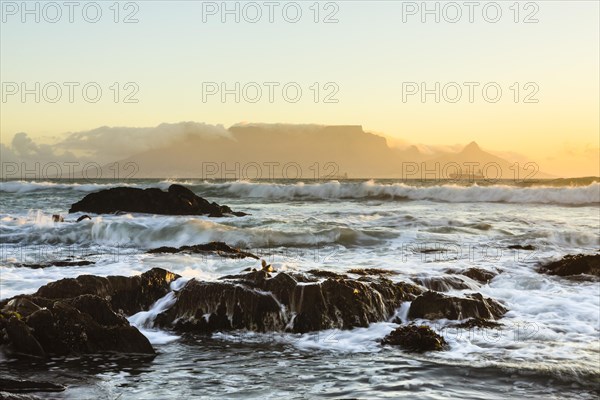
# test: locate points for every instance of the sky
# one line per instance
(362, 63)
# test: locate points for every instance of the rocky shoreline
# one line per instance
(87, 314)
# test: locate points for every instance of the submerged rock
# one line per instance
(472, 323)
(371, 271)
(219, 248)
(444, 283)
(58, 263)
(433, 305)
(416, 338)
(477, 274)
(84, 216)
(527, 247)
(570, 265)
(178, 200)
(20, 385)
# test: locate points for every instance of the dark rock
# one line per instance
(521, 247)
(327, 274)
(127, 294)
(416, 338)
(81, 325)
(295, 302)
(83, 315)
(178, 200)
(574, 265)
(84, 216)
(57, 218)
(477, 274)
(210, 306)
(21, 338)
(59, 263)
(371, 271)
(86, 325)
(18, 385)
(472, 323)
(21, 306)
(444, 283)
(433, 305)
(17, 396)
(219, 248)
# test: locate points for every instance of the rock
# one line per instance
(57, 218)
(574, 265)
(476, 323)
(15, 396)
(178, 200)
(59, 263)
(84, 216)
(126, 294)
(528, 247)
(82, 325)
(327, 274)
(433, 305)
(21, 306)
(218, 248)
(84, 314)
(21, 338)
(416, 338)
(205, 307)
(19, 385)
(294, 302)
(444, 283)
(371, 271)
(477, 274)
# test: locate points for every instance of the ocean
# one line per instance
(547, 346)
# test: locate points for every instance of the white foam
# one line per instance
(446, 193)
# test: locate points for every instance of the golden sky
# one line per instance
(359, 63)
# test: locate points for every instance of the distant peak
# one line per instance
(473, 146)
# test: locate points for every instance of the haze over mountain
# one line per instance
(311, 151)
(255, 151)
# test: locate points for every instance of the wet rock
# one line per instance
(84, 314)
(433, 305)
(477, 274)
(21, 306)
(17, 396)
(472, 323)
(327, 274)
(219, 248)
(86, 325)
(444, 283)
(527, 247)
(84, 216)
(57, 218)
(371, 271)
(22, 339)
(128, 295)
(82, 325)
(415, 338)
(178, 200)
(287, 301)
(205, 307)
(19, 385)
(570, 265)
(58, 263)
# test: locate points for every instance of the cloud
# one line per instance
(106, 144)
